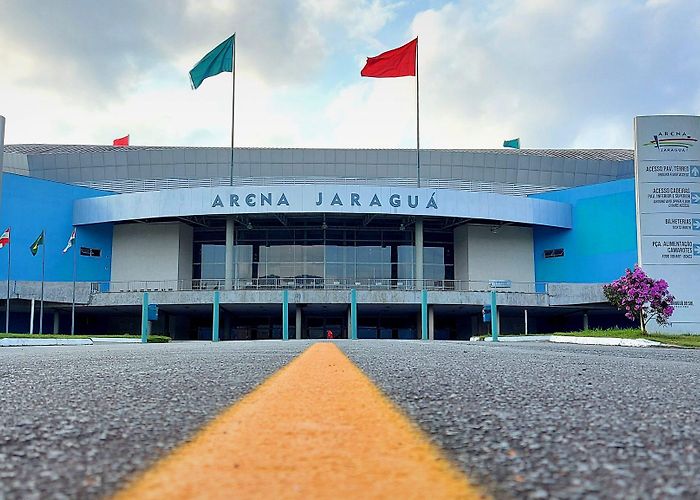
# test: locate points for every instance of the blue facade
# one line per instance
(30, 205)
(602, 242)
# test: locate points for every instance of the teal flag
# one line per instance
(219, 60)
(512, 143)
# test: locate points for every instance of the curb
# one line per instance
(114, 340)
(605, 341)
(14, 342)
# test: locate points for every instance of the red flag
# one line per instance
(122, 141)
(393, 63)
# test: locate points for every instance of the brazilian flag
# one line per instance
(35, 246)
(218, 60)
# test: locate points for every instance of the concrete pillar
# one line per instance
(215, 318)
(585, 321)
(526, 322)
(353, 315)
(285, 314)
(419, 253)
(31, 317)
(144, 318)
(431, 323)
(230, 241)
(56, 322)
(297, 322)
(495, 323)
(424, 315)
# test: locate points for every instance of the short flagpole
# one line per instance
(43, 269)
(7, 303)
(233, 104)
(75, 274)
(417, 120)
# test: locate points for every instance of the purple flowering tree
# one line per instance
(641, 297)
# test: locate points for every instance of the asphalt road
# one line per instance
(76, 421)
(525, 420)
(550, 420)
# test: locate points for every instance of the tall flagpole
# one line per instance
(233, 103)
(75, 274)
(7, 303)
(43, 269)
(417, 119)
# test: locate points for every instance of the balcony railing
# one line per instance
(312, 283)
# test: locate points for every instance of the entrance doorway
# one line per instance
(317, 326)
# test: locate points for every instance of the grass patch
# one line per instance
(634, 333)
(156, 339)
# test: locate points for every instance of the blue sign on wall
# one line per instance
(152, 312)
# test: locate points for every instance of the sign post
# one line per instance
(667, 188)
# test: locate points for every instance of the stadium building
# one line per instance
(304, 241)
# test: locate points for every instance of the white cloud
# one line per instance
(557, 73)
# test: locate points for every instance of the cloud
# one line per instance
(86, 69)
(557, 73)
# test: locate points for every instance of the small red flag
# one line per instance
(393, 63)
(122, 141)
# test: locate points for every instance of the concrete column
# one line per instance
(424, 315)
(494, 317)
(431, 323)
(230, 240)
(144, 318)
(585, 321)
(353, 314)
(31, 317)
(297, 322)
(215, 318)
(56, 322)
(419, 252)
(285, 314)
(526, 322)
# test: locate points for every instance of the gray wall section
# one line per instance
(461, 252)
(114, 170)
(151, 252)
(506, 254)
(184, 266)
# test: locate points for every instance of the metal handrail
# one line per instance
(314, 283)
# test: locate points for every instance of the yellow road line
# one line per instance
(318, 428)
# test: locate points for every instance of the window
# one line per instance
(554, 252)
(90, 252)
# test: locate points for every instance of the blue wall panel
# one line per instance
(603, 240)
(30, 205)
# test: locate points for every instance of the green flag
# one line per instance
(35, 246)
(512, 143)
(219, 60)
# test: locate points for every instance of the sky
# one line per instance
(556, 73)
